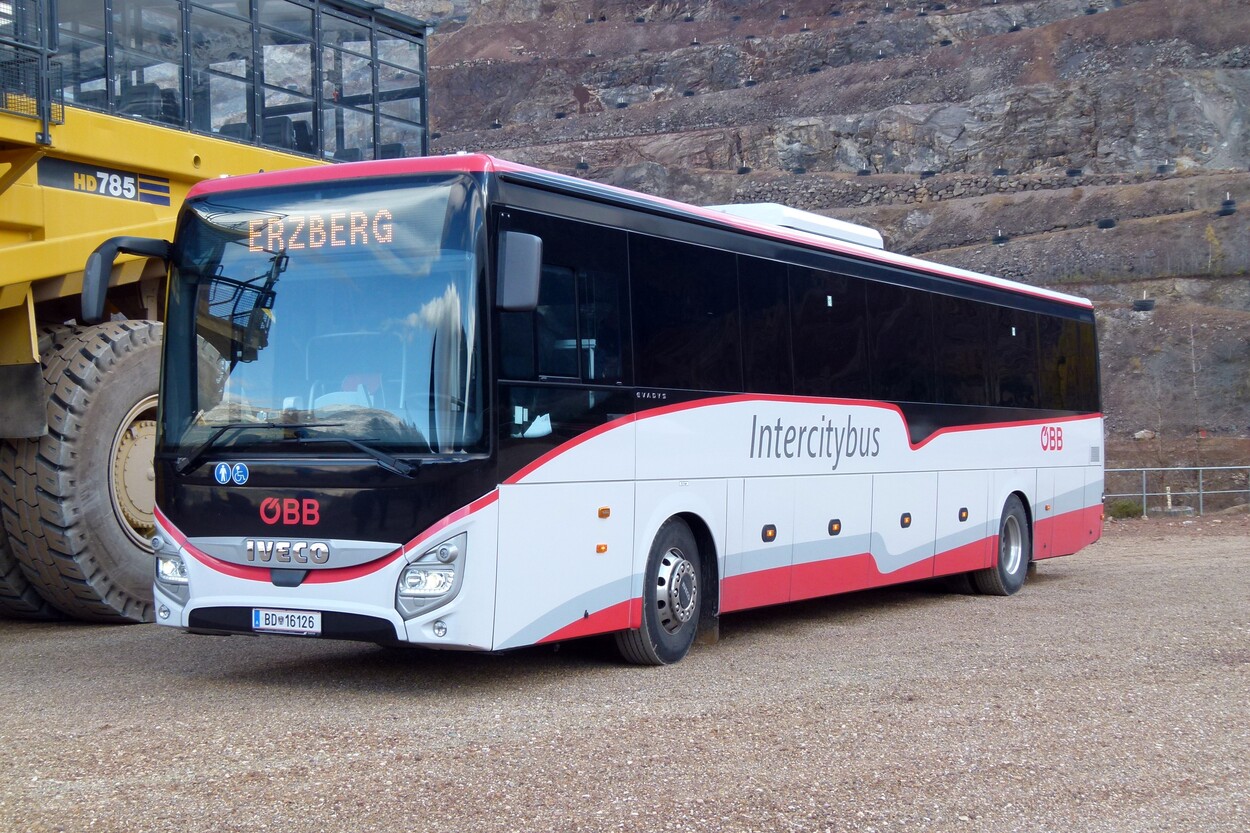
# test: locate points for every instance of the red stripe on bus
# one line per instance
(830, 577)
(1067, 533)
(956, 429)
(226, 568)
(334, 574)
(566, 446)
(711, 402)
(975, 556)
(852, 403)
(329, 576)
(614, 618)
(459, 515)
(168, 526)
(813, 579)
(758, 589)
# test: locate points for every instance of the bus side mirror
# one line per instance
(520, 268)
(95, 276)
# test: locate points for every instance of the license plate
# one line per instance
(302, 622)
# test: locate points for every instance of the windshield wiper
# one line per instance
(197, 454)
(386, 461)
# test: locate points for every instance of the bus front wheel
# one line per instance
(671, 599)
(1014, 553)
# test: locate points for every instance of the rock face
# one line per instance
(1098, 139)
(1022, 86)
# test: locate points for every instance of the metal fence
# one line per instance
(1176, 491)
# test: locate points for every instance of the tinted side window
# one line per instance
(1090, 397)
(901, 343)
(765, 311)
(1013, 350)
(580, 329)
(555, 321)
(685, 309)
(961, 336)
(1069, 365)
(829, 322)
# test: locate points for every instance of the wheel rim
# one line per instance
(1011, 545)
(676, 591)
(132, 484)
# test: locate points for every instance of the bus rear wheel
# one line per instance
(671, 599)
(78, 501)
(1014, 553)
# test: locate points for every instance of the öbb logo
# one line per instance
(1052, 438)
(290, 511)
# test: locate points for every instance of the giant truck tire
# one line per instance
(77, 502)
(18, 598)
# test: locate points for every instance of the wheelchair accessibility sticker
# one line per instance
(226, 474)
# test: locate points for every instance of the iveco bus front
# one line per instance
(323, 398)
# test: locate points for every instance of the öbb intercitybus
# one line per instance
(462, 403)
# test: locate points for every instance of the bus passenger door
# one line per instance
(903, 526)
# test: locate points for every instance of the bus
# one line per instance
(462, 403)
(110, 110)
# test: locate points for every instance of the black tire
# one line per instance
(958, 583)
(75, 501)
(18, 598)
(671, 599)
(1015, 553)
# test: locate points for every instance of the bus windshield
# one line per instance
(331, 312)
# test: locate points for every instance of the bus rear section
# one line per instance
(459, 403)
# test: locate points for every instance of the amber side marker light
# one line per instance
(835, 527)
(605, 511)
(963, 515)
(769, 534)
(905, 521)
(601, 548)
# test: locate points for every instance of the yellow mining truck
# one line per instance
(110, 110)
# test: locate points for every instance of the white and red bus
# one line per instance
(462, 403)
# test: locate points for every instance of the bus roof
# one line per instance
(483, 163)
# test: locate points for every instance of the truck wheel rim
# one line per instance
(132, 485)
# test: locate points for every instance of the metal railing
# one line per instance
(30, 81)
(1177, 491)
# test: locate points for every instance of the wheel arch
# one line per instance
(702, 506)
(709, 565)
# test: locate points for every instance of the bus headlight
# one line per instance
(171, 576)
(171, 569)
(420, 581)
(432, 579)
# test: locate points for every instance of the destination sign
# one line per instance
(334, 229)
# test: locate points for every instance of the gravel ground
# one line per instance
(1110, 695)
